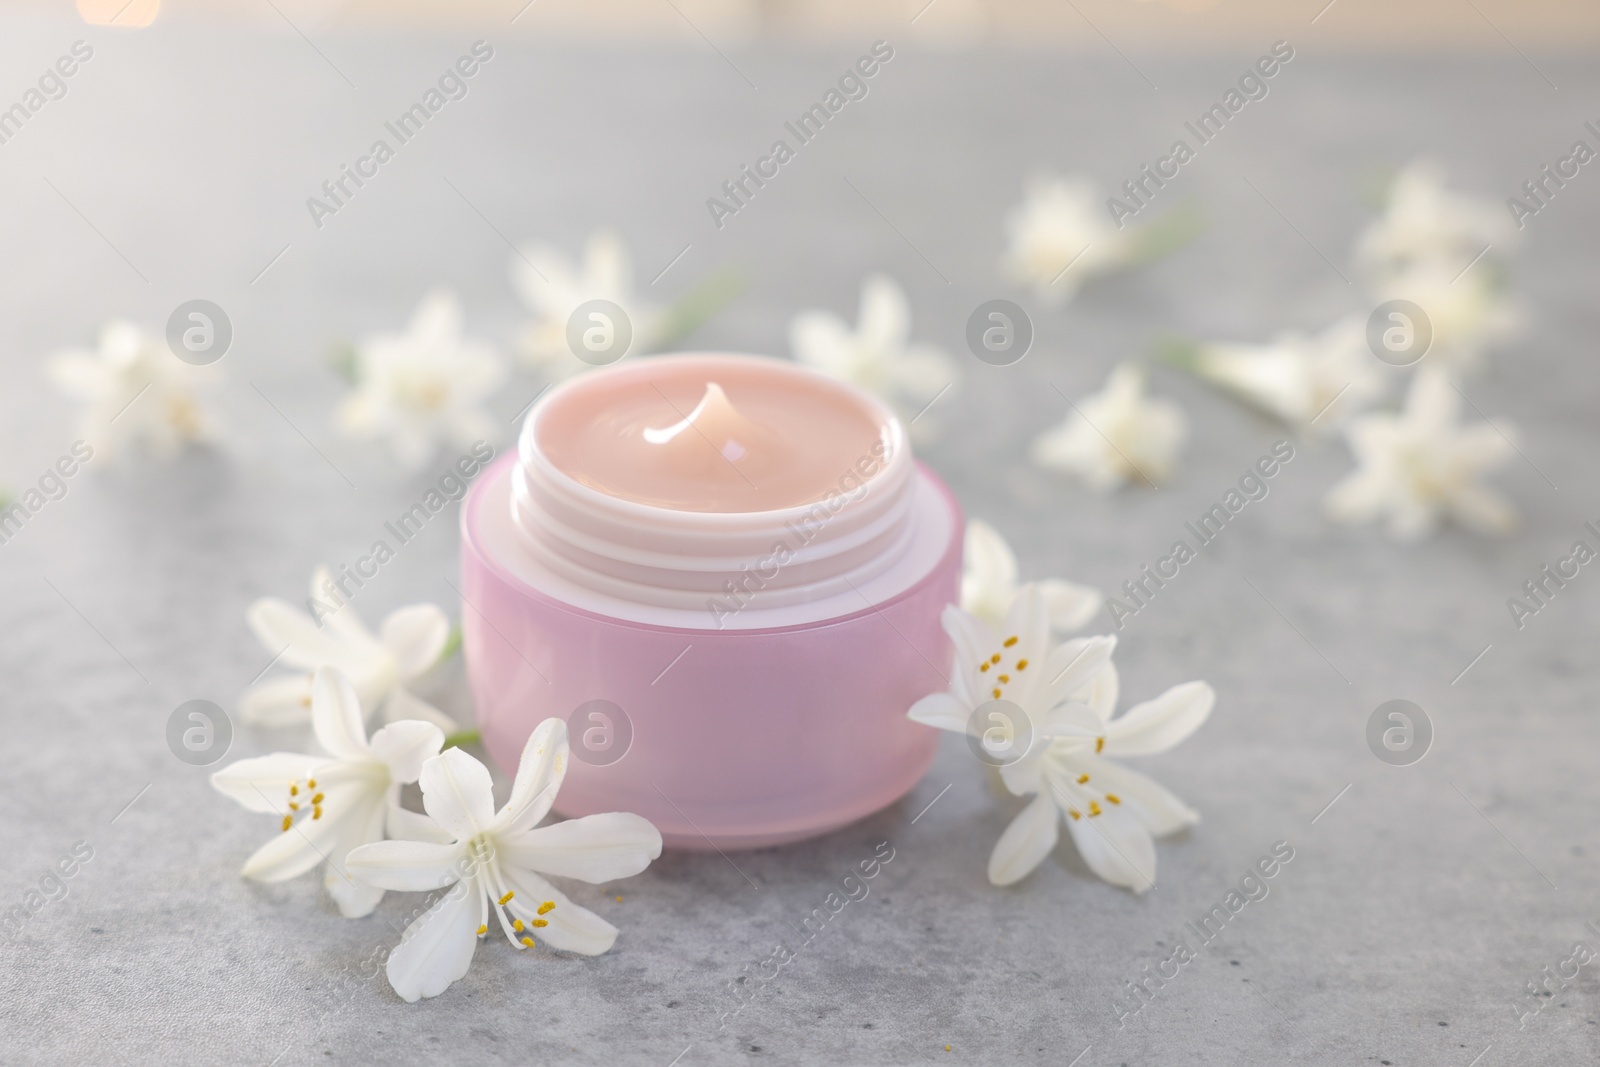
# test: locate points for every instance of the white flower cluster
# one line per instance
(1049, 706)
(1438, 309)
(341, 810)
(336, 809)
(415, 390)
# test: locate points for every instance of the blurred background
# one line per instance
(1361, 24)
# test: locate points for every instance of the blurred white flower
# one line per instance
(410, 641)
(989, 584)
(138, 394)
(1063, 221)
(1116, 436)
(1327, 377)
(552, 287)
(425, 387)
(878, 355)
(1421, 466)
(1466, 311)
(1425, 223)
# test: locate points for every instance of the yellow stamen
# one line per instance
(997, 693)
(1099, 743)
(482, 930)
(517, 926)
(1113, 798)
(1005, 679)
(547, 907)
(539, 922)
(294, 790)
(1073, 812)
(984, 667)
(1022, 664)
(1082, 778)
(1010, 641)
(311, 783)
(316, 813)
(527, 942)
(288, 821)
(509, 894)
(294, 805)
(317, 799)
(1094, 807)
(995, 658)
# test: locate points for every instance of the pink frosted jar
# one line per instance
(755, 666)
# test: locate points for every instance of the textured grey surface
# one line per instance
(1408, 922)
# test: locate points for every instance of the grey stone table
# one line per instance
(1417, 905)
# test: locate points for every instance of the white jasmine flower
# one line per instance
(1425, 223)
(1421, 466)
(552, 287)
(989, 584)
(1467, 312)
(496, 862)
(1063, 221)
(138, 394)
(1116, 436)
(878, 355)
(1111, 812)
(425, 387)
(379, 666)
(1326, 377)
(330, 804)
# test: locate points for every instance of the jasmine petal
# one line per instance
(989, 584)
(329, 805)
(1116, 436)
(495, 862)
(1421, 466)
(878, 354)
(424, 387)
(410, 641)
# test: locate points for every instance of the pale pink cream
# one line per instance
(709, 434)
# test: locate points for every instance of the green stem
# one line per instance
(1374, 184)
(345, 363)
(452, 644)
(1167, 234)
(710, 296)
(1179, 352)
(463, 737)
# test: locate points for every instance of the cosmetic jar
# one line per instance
(726, 572)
